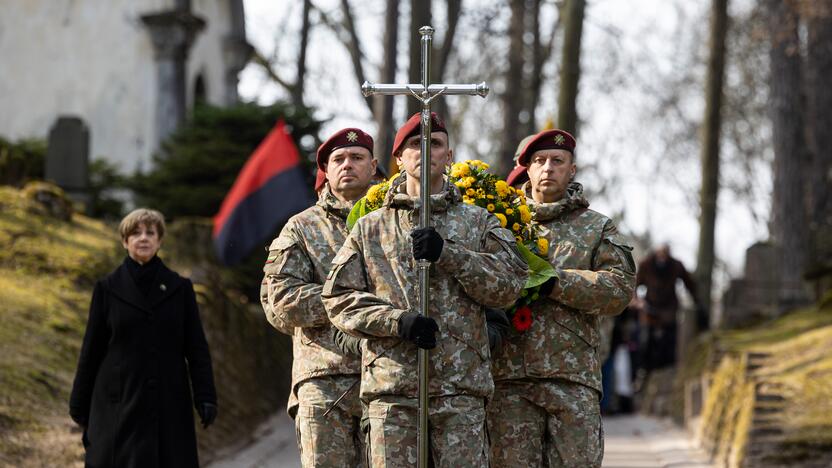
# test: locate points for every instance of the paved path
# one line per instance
(273, 446)
(630, 442)
(643, 442)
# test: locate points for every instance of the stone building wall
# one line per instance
(95, 60)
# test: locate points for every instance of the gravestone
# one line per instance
(755, 296)
(67, 157)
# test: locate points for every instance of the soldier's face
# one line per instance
(349, 171)
(549, 173)
(440, 155)
(142, 243)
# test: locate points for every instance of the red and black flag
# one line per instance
(268, 191)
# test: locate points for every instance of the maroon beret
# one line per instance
(342, 139)
(518, 175)
(547, 139)
(413, 127)
(320, 180)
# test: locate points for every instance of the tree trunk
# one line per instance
(819, 137)
(788, 219)
(535, 80)
(570, 71)
(297, 92)
(383, 105)
(356, 55)
(514, 91)
(419, 16)
(710, 150)
(454, 8)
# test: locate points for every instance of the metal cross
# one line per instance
(424, 93)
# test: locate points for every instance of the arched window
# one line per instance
(200, 91)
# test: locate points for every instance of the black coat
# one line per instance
(131, 388)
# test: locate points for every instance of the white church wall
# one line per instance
(90, 59)
(206, 57)
(94, 59)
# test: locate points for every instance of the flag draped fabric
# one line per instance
(269, 189)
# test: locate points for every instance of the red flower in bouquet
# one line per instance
(522, 319)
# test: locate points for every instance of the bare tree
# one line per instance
(300, 76)
(513, 94)
(570, 72)
(383, 105)
(711, 128)
(790, 154)
(420, 15)
(541, 51)
(819, 134)
(354, 46)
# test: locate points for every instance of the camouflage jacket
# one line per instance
(596, 277)
(374, 280)
(298, 262)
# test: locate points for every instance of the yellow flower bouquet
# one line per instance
(480, 187)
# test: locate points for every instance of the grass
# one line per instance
(46, 271)
(797, 364)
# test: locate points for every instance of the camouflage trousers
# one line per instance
(458, 437)
(334, 440)
(553, 423)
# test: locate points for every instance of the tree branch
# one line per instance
(258, 58)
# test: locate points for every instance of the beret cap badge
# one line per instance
(352, 137)
(559, 139)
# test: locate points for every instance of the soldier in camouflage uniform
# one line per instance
(545, 410)
(299, 260)
(372, 292)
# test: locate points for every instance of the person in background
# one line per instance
(659, 272)
(144, 350)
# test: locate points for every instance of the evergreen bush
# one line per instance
(197, 165)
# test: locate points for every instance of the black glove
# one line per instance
(547, 287)
(427, 244)
(348, 344)
(207, 413)
(418, 329)
(498, 325)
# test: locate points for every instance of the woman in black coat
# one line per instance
(144, 338)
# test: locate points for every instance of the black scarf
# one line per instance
(143, 275)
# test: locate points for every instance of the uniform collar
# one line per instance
(397, 198)
(543, 212)
(331, 204)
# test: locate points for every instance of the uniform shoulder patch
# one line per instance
(282, 243)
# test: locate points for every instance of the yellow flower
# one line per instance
(462, 183)
(490, 197)
(490, 207)
(470, 181)
(501, 218)
(372, 193)
(519, 239)
(525, 214)
(471, 192)
(468, 200)
(460, 170)
(542, 245)
(509, 211)
(515, 227)
(502, 188)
